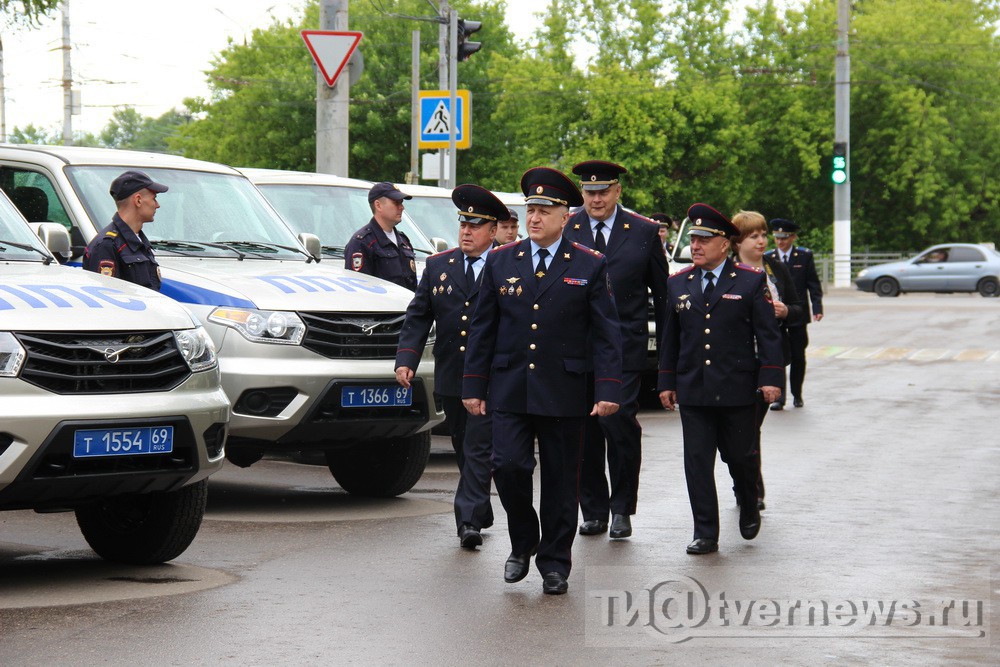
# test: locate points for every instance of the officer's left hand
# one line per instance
(817, 317)
(780, 310)
(403, 376)
(770, 394)
(475, 406)
(604, 409)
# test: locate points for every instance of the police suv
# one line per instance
(306, 348)
(110, 401)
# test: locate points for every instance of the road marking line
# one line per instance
(902, 354)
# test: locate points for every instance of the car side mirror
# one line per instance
(440, 244)
(54, 236)
(312, 245)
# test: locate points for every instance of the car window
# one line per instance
(935, 256)
(962, 254)
(34, 195)
(436, 217)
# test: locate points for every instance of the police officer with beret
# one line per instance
(378, 248)
(802, 266)
(121, 250)
(720, 345)
(546, 317)
(447, 296)
(507, 229)
(637, 267)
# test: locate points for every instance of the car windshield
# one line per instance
(17, 241)
(331, 212)
(436, 217)
(203, 214)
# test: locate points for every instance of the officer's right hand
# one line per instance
(403, 376)
(604, 409)
(475, 406)
(668, 399)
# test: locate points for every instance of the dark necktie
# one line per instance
(787, 255)
(470, 274)
(542, 254)
(709, 286)
(599, 243)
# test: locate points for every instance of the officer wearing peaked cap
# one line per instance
(720, 345)
(379, 248)
(507, 229)
(446, 296)
(546, 317)
(637, 267)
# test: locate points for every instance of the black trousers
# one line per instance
(552, 529)
(623, 435)
(472, 440)
(798, 340)
(732, 431)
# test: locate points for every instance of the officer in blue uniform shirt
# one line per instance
(637, 266)
(720, 345)
(802, 266)
(546, 319)
(378, 248)
(447, 296)
(121, 250)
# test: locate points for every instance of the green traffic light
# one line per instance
(839, 176)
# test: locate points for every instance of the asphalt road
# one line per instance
(880, 531)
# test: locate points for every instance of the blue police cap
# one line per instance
(782, 228)
(478, 205)
(549, 187)
(386, 190)
(130, 182)
(709, 222)
(598, 174)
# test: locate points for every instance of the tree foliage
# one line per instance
(27, 11)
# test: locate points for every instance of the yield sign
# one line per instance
(331, 50)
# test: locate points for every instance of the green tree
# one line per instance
(27, 11)
(129, 129)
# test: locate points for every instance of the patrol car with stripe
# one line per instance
(111, 402)
(306, 348)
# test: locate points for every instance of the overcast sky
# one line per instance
(150, 55)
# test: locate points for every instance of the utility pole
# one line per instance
(3, 100)
(67, 83)
(443, 80)
(413, 177)
(453, 104)
(842, 135)
(332, 104)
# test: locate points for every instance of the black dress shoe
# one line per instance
(554, 583)
(750, 523)
(797, 402)
(469, 537)
(777, 405)
(621, 526)
(516, 568)
(593, 527)
(760, 504)
(703, 545)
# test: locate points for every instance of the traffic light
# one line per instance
(465, 47)
(839, 173)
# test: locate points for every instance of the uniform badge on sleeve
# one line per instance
(357, 261)
(106, 267)
(413, 266)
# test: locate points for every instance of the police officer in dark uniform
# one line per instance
(637, 267)
(720, 345)
(546, 317)
(507, 229)
(378, 248)
(121, 250)
(802, 266)
(447, 296)
(665, 228)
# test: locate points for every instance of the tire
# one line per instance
(381, 468)
(988, 287)
(144, 529)
(886, 287)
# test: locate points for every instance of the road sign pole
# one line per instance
(443, 62)
(413, 177)
(452, 88)
(332, 104)
(842, 134)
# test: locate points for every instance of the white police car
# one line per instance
(110, 401)
(306, 349)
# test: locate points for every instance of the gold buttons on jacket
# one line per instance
(461, 349)
(708, 331)
(708, 316)
(535, 306)
(708, 347)
(463, 333)
(465, 317)
(708, 362)
(532, 346)
(531, 366)
(534, 326)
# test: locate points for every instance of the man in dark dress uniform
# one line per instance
(802, 266)
(121, 250)
(507, 229)
(637, 267)
(378, 248)
(447, 296)
(546, 318)
(721, 345)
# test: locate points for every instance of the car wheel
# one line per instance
(886, 287)
(988, 287)
(144, 529)
(381, 468)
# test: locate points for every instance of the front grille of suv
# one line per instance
(353, 335)
(97, 363)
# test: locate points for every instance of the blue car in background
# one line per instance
(948, 267)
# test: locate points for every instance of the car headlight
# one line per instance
(197, 348)
(861, 273)
(262, 326)
(11, 355)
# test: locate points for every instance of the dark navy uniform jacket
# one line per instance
(637, 265)
(720, 354)
(370, 251)
(802, 266)
(121, 253)
(442, 297)
(529, 340)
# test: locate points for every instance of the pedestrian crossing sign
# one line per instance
(436, 117)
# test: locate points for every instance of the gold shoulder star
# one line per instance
(565, 255)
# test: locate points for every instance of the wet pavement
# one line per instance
(881, 526)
